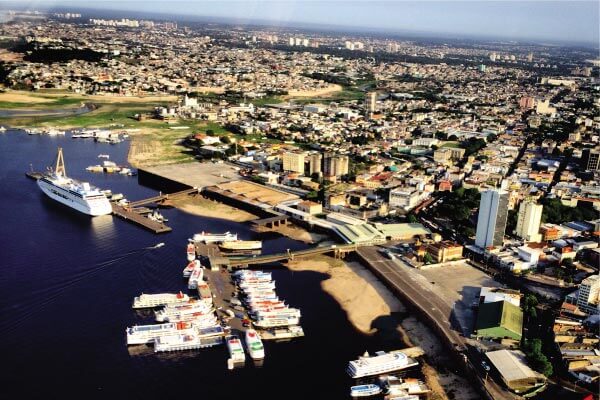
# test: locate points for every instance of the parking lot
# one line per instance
(459, 285)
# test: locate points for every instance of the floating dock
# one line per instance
(131, 215)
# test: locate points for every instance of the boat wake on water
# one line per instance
(156, 246)
(39, 300)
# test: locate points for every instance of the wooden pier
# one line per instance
(129, 214)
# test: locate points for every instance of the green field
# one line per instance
(451, 144)
(55, 103)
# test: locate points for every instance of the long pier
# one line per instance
(218, 260)
(161, 197)
(138, 219)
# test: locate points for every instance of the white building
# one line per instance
(528, 222)
(493, 294)
(491, 222)
(589, 292)
(293, 162)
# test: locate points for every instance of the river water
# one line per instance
(67, 282)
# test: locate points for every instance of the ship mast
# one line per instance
(60, 163)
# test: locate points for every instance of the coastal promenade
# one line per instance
(402, 280)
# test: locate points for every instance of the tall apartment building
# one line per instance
(293, 162)
(590, 159)
(589, 293)
(335, 165)
(528, 221)
(491, 222)
(312, 164)
(370, 103)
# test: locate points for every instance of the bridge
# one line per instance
(161, 198)
(243, 262)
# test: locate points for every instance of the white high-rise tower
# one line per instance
(491, 222)
(528, 222)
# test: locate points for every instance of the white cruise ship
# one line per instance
(380, 363)
(159, 299)
(145, 334)
(254, 345)
(72, 193)
(207, 237)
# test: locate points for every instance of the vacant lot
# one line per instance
(458, 285)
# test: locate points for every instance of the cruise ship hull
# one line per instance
(63, 196)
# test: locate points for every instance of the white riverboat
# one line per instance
(380, 363)
(159, 299)
(254, 345)
(236, 351)
(364, 390)
(208, 237)
(145, 334)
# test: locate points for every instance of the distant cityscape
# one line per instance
(425, 156)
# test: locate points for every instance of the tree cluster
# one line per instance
(556, 213)
(458, 206)
(537, 360)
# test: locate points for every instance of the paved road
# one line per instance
(407, 282)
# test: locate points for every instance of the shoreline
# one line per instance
(203, 207)
(365, 299)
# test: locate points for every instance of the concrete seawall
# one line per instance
(159, 182)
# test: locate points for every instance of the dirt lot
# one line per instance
(459, 285)
(257, 192)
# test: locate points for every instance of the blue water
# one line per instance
(67, 282)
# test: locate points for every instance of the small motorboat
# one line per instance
(364, 390)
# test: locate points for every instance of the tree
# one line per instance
(210, 132)
(313, 194)
(441, 135)
(538, 360)
(412, 219)
(225, 139)
(427, 259)
(529, 303)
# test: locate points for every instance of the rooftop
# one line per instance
(511, 365)
(403, 230)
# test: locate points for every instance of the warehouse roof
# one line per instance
(511, 365)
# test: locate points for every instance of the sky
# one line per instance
(575, 21)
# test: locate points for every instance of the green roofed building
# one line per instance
(499, 319)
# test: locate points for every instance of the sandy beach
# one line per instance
(357, 291)
(198, 205)
(364, 299)
(301, 234)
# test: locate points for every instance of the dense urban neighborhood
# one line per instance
(459, 161)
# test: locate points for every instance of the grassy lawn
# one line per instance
(451, 144)
(266, 100)
(54, 103)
